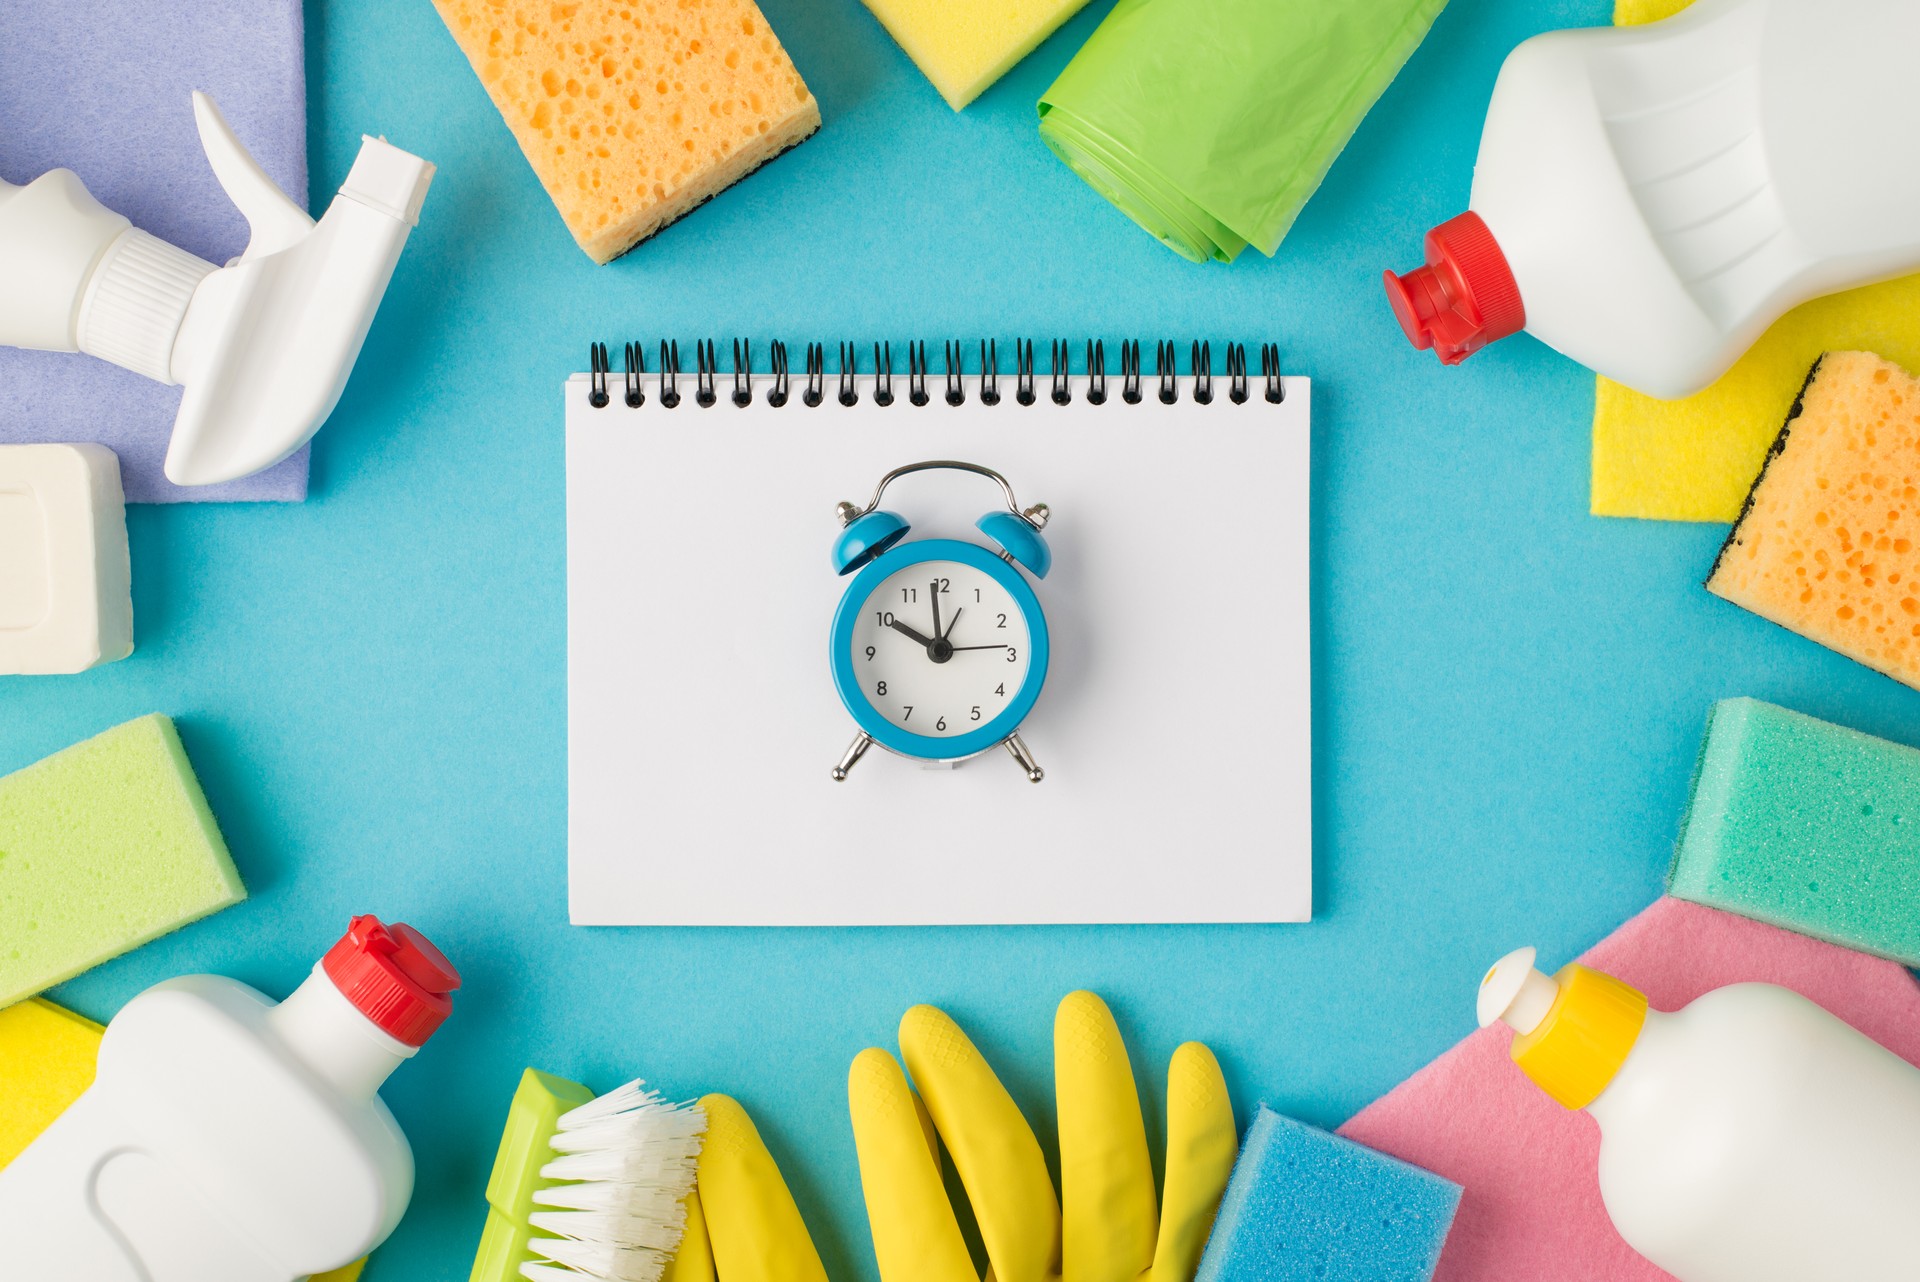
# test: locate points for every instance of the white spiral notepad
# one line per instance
(1174, 725)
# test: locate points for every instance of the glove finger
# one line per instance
(920, 1115)
(752, 1222)
(993, 1148)
(1106, 1172)
(915, 1237)
(693, 1262)
(1201, 1145)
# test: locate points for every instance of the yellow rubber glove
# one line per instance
(742, 1225)
(1113, 1230)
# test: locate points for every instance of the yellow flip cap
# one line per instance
(1575, 1048)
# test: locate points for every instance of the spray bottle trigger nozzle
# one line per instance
(276, 222)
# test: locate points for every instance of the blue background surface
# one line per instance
(372, 687)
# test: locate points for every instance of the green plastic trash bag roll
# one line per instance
(1210, 122)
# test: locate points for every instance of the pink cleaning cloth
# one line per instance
(1532, 1210)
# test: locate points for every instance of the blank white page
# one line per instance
(1174, 726)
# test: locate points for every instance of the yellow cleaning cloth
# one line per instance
(46, 1060)
(47, 1055)
(1694, 459)
(965, 45)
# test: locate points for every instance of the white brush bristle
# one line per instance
(576, 1260)
(630, 1159)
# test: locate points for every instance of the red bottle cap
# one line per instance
(394, 976)
(1464, 298)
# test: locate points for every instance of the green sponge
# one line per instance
(104, 846)
(1805, 825)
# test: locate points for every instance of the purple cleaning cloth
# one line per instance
(103, 87)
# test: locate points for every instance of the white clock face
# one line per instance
(940, 648)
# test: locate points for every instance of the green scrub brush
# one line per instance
(588, 1188)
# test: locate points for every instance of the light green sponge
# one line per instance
(1805, 825)
(104, 846)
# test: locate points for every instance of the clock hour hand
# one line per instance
(904, 630)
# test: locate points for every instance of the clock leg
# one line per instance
(861, 742)
(1018, 747)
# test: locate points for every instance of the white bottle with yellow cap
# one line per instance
(1748, 1137)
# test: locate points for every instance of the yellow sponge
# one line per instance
(633, 112)
(47, 1056)
(965, 45)
(1695, 458)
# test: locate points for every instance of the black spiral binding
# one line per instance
(989, 372)
(777, 395)
(597, 355)
(1270, 370)
(1166, 363)
(670, 374)
(956, 375)
(816, 376)
(1096, 372)
(703, 377)
(636, 366)
(849, 370)
(920, 373)
(742, 373)
(917, 373)
(883, 374)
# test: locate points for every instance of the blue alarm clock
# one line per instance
(939, 647)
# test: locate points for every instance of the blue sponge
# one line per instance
(1305, 1204)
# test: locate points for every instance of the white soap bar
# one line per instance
(66, 601)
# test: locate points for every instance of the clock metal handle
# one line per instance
(1035, 516)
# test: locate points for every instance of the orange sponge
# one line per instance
(633, 113)
(1827, 543)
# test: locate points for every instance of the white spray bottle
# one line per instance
(229, 1139)
(263, 345)
(1649, 199)
(1747, 1137)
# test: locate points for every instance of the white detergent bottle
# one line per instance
(229, 1139)
(1649, 199)
(1748, 1137)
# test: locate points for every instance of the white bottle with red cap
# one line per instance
(227, 1138)
(1649, 199)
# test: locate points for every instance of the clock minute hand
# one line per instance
(903, 629)
(933, 590)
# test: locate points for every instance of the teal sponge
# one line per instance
(103, 847)
(1805, 825)
(1307, 1206)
